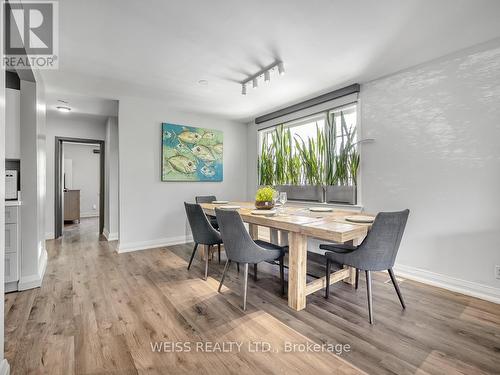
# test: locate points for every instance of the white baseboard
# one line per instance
(49, 236)
(34, 281)
(151, 244)
(89, 214)
(468, 288)
(4, 367)
(110, 236)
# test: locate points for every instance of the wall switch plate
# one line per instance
(94, 207)
(497, 272)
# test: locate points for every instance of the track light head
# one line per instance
(281, 69)
(264, 74)
(267, 76)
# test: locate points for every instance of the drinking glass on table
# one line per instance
(282, 199)
(276, 194)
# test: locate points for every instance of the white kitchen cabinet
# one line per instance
(11, 272)
(13, 244)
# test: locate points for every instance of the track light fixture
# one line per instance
(265, 74)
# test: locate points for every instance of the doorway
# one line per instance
(61, 191)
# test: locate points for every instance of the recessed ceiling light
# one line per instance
(63, 108)
(203, 82)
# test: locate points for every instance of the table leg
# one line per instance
(278, 237)
(203, 249)
(352, 275)
(274, 236)
(253, 229)
(297, 263)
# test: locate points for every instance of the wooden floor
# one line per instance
(99, 312)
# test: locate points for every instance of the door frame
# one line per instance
(58, 175)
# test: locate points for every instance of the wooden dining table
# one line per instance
(296, 224)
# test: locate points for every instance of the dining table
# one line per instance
(293, 225)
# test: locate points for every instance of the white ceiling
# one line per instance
(160, 49)
(82, 105)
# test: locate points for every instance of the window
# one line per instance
(317, 150)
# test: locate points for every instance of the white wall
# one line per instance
(34, 255)
(66, 125)
(85, 175)
(437, 131)
(12, 124)
(111, 216)
(3, 362)
(152, 212)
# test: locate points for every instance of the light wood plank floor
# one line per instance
(98, 313)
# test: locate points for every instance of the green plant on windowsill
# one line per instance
(264, 198)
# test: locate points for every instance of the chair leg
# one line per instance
(396, 286)
(245, 285)
(228, 262)
(207, 255)
(328, 267)
(369, 292)
(238, 267)
(282, 275)
(255, 272)
(357, 279)
(192, 255)
(218, 248)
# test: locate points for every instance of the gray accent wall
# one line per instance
(437, 152)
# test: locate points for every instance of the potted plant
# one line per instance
(266, 165)
(310, 156)
(264, 198)
(342, 163)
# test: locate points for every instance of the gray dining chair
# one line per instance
(208, 199)
(376, 253)
(203, 232)
(241, 248)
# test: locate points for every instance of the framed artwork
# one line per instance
(191, 154)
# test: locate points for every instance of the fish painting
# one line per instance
(191, 154)
(218, 148)
(207, 171)
(189, 137)
(182, 164)
(203, 153)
